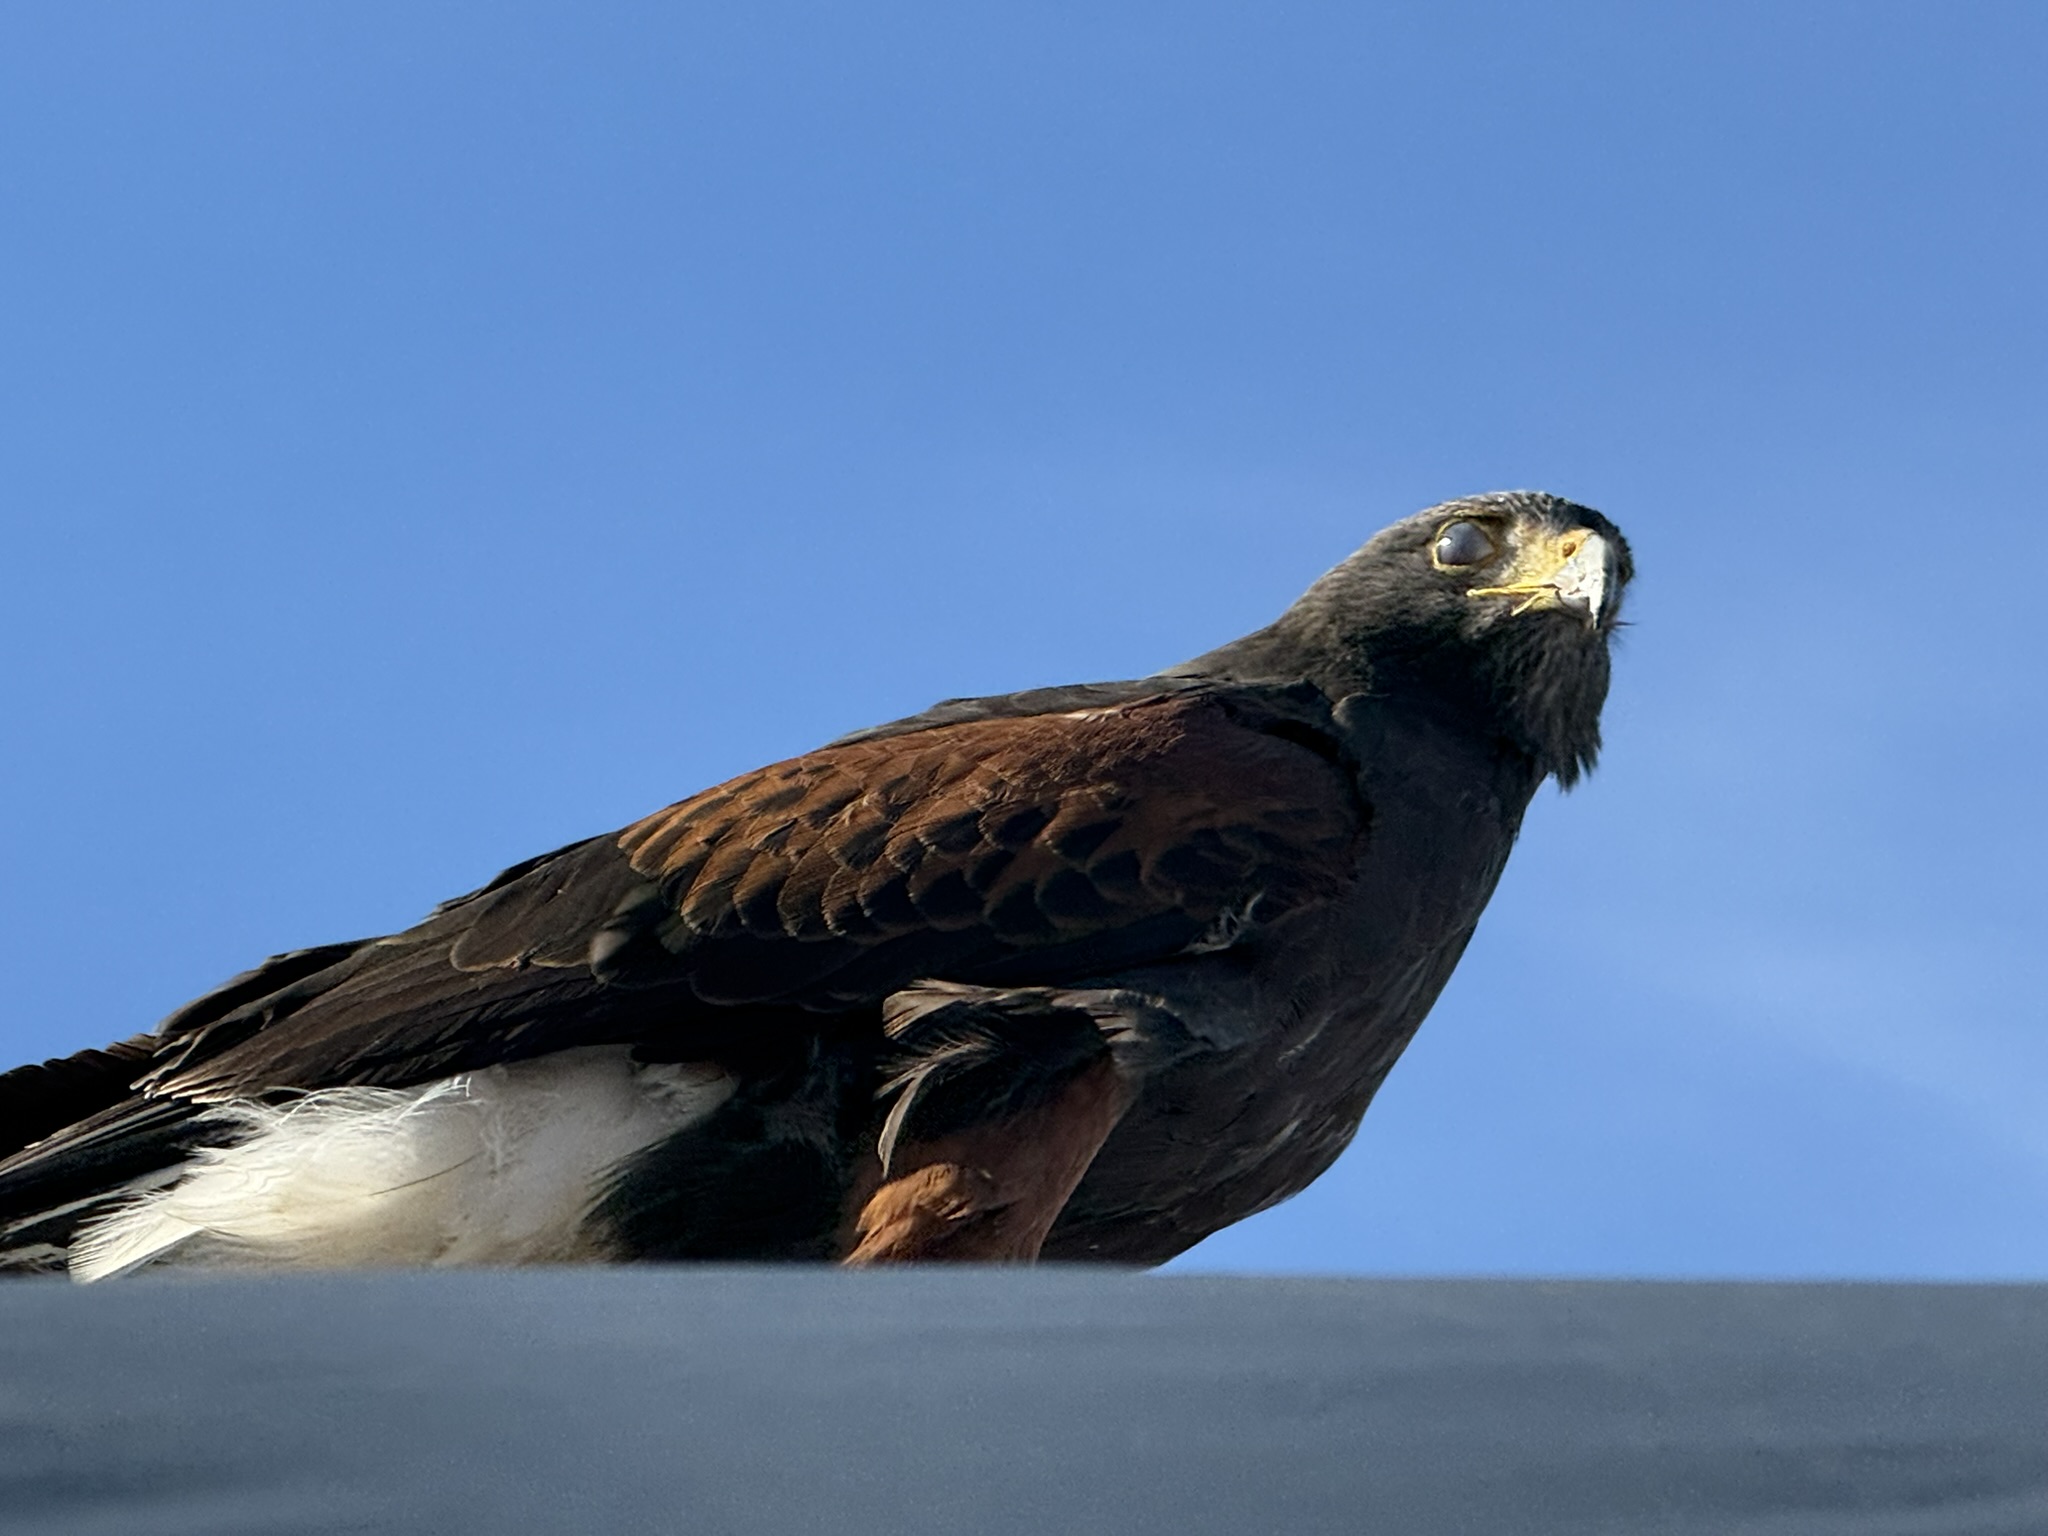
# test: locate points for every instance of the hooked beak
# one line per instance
(1573, 572)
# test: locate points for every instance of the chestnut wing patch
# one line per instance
(1025, 835)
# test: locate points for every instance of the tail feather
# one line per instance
(40, 1099)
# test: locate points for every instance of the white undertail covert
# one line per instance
(499, 1166)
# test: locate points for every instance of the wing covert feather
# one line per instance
(1033, 830)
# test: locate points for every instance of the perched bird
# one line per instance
(1082, 973)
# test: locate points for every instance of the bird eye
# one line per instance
(1462, 544)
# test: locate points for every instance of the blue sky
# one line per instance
(431, 432)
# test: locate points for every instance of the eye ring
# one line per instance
(1462, 543)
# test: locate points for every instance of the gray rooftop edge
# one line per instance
(798, 1400)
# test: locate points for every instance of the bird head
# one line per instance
(1495, 610)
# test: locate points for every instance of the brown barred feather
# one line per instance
(1034, 828)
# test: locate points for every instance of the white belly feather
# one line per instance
(493, 1167)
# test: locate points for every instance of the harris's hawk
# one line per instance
(1084, 972)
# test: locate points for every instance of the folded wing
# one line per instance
(1019, 849)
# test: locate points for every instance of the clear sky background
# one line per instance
(432, 432)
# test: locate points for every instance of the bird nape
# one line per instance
(1077, 973)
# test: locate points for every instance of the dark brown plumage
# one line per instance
(1122, 962)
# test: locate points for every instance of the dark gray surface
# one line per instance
(985, 1401)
